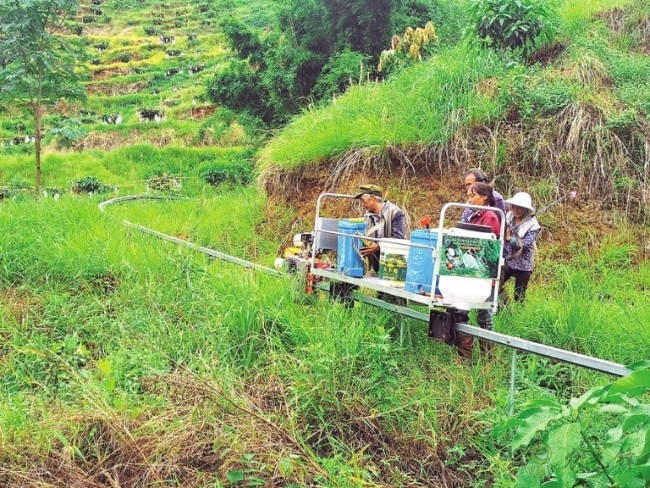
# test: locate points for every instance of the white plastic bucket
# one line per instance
(393, 260)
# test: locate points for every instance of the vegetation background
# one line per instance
(128, 362)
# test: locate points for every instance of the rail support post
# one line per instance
(513, 379)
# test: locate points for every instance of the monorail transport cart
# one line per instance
(450, 270)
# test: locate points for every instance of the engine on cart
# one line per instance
(298, 257)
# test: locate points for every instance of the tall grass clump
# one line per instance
(600, 313)
(120, 351)
(425, 104)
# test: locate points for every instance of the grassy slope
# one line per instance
(464, 88)
(126, 169)
(97, 326)
(129, 74)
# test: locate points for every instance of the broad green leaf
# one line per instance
(105, 366)
(286, 466)
(637, 415)
(588, 476)
(639, 365)
(70, 343)
(633, 444)
(633, 384)
(110, 383)
(542, 402)
(563, 441)
(633, 476)
(529, 477)
(591, 396)
(645, 452)
(235, 475)
(612, 408)
(531, 425)
(505, 426)
(615, 434)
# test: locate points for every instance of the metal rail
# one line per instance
(512, 342)
(183, 242)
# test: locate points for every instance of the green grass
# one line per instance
(424, 105)
(126, 168)
(101, 324)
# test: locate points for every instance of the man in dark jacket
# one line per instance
(383, 219)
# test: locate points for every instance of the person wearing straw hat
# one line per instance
(521, 232)
(383, 219)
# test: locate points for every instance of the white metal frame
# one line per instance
(375, 284)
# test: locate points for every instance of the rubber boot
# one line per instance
(484, 319)
(465, 343)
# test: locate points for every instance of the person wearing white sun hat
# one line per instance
(521, 232)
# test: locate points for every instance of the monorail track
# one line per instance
(515, 343)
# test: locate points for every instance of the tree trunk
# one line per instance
(38, 178)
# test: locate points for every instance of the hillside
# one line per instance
(127, 361)
(146, 71)
(572, 115)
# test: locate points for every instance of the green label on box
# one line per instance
(470, 257)
(392, 267)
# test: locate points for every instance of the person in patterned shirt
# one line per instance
(522, 230)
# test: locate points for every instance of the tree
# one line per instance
(316, 47)
(40, 64)
(507, 24)
(363, 25)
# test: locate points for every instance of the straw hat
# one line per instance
(521, 199)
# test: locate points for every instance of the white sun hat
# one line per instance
(521, 199)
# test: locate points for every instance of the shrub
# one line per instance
(602, 437)
(622, 121)
(512, 24)
(340, 71)
(20, 183)
(14, 187)
(88, 184)
(243, 40)
(163, 183)
(68, 132)
(548, 98)
(235, 85)
(7, 192)
(125, 57)
(236, 173)
(53, 191)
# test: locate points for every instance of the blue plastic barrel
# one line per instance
(419, 273)
(348, 260)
